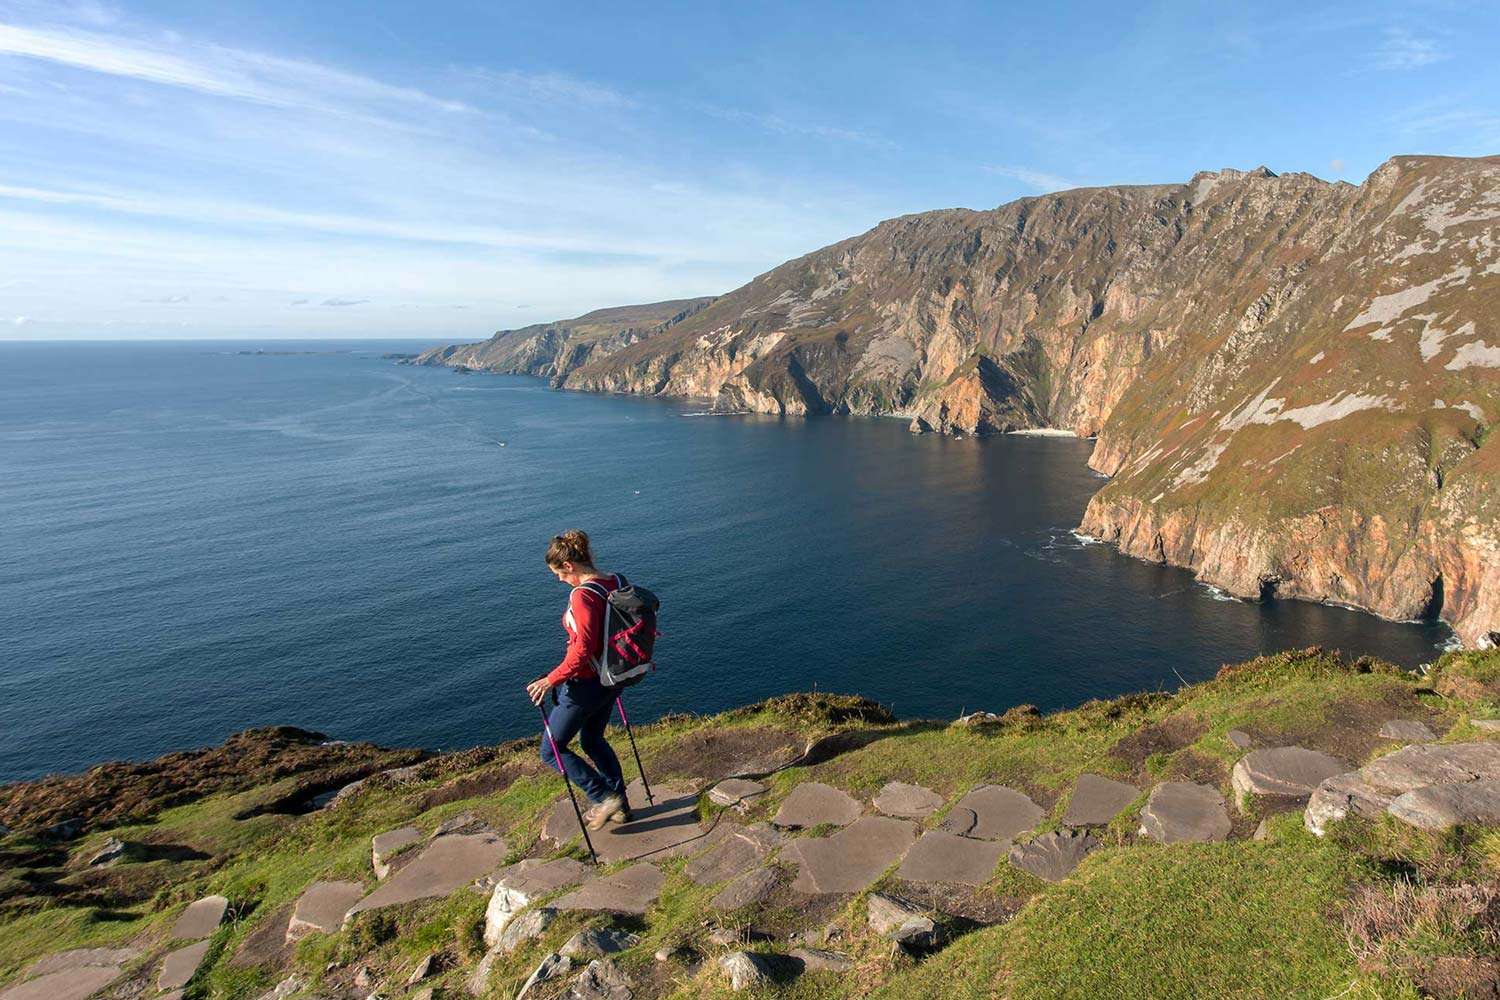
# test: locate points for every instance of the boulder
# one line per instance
(601, 980)
(595, 942)
(1179, 811)
(385, 846)
(517, 886)
(901, 921)
(1052, 856)
(478, 981)
(446, 864)
(1432, 764)
(905, 801)
(1407, 730)
(529, 926)
(733, 792)
(179, 966)
(1097, 800)
(283, 989)
(551, 967)
(1283, 773)
(747, 890)
(321, 908)
(74, 983)
(747, 970)
(1438, 807)
(942, 857)
(992, 812)
(851, 859)
(200, 919)
(813, 803)
(424, 969)
(114, 849)
(630, 891)
(1341, 796)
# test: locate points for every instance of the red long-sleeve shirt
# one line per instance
(583, 623)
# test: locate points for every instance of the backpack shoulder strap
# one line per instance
(598, 590)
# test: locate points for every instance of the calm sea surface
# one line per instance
(194, 541)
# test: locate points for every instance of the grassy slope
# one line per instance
(1245, 918)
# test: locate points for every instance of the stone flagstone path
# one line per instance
(813, 803)
(445, 864)
(851, 859)
(737, 850)
(1097, 800)
(200, 919)
(664, 830)
(992, 812)
(939, 857)
(1052, 856)
(908, 801)
(75, 983)
(385, 846)
(1407, 730)
(321, 908)
(1283, 773)
(735, 791)
(631, 890)
(1179, 811)
(178, 967)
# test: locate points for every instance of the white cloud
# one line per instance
(550, 88)
(1037, 179)
(1402, 49)
(783, 126)
(21, 320)
(1337, 166)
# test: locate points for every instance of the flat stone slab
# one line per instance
(1097, 800)
(1409, 730)
(200, 919)
(1487, 725)
(1341, 796)
(939, 856)
(748, 889)
(1179, 812)
(908, 801)
(79, 958)
(75, 983)
(385, 846)
(535, 877)
(1239, 739)
(813, 803)
(1283, 773)
(321, 908)
(733, 791)
(446, 864)
(1438, 807)
(737, 850)
(1438, 764)
(178, 967)
(851, 859)
(664, 830)
(992, 812)
(1052, 856)
(631, 890)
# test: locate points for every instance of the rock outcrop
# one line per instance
(1292, 382)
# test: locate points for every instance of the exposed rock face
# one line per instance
(554, 350)
(1291, 381)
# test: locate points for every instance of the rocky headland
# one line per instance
(1300, 826)
(1293, 383)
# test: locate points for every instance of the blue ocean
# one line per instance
(196, 538)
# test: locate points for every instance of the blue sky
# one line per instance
(444, 169)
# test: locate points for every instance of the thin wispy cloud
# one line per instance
(1402, 49)
(549, 88)
(1038, 180)
(785, 126)
(340, 303)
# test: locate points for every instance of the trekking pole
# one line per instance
(557, 756)
(623, 718)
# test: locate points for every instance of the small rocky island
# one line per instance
(1338, 821)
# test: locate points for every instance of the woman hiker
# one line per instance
(582, 704)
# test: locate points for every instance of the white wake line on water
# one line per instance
(1043, 432)
(716, 413)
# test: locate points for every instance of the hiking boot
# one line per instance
(605, 811)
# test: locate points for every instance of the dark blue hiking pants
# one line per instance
(582, 710)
